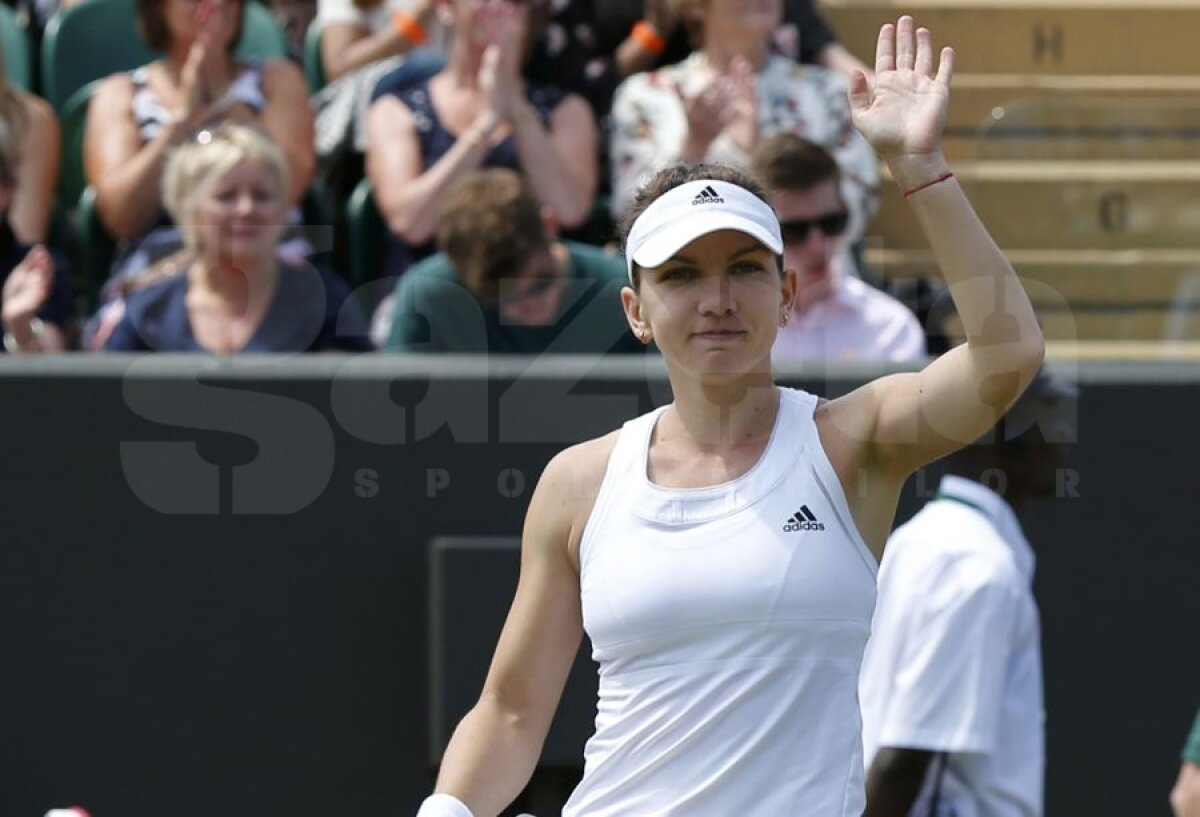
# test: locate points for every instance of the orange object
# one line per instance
(648, 37)
(408, 27)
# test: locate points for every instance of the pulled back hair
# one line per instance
(785, 161)
(491, 228)
(667, 179)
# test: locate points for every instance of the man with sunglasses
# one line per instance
(837, 316)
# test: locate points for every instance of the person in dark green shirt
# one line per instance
(503, 283)
(1185, 797)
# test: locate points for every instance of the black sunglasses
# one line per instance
(831, 224)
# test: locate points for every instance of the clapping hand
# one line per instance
(500, 70)
(728, 102)
(903, 110)
(27, 288)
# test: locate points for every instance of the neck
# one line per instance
(721, 49)
(722, 416)
(233, 284)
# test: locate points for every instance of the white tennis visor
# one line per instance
(685, 213)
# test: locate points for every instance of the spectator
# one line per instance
(951, 686)
(32, 129)
(717, 104)
(294, 17)
(478, 112)
(591, 45)
(230, 290)
(1185, 796)
(504, 283)
(355, 33)
(836, 316)
(35, 298)
(136, 118)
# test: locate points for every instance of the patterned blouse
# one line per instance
(649, 127)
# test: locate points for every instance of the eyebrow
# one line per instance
(747, 250)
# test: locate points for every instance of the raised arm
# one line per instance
(347, 45)
(496, 746)
(37, 174)
(909, 420)
(287, 117)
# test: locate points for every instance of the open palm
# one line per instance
(902, 111)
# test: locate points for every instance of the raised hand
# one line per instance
(27, 287)
(741, 90)
(903, 110)
(500, 69)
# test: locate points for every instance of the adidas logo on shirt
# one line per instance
(803, 519)
(708, 196)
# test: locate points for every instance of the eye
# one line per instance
(677, 274)
(746, 268)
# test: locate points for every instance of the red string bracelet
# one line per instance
(938, 180)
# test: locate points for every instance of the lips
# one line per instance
(720, 334)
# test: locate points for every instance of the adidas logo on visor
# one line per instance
(708, 196)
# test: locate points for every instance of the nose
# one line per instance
(716, 297)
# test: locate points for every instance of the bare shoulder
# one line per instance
(283, 75)
(574, 475)
(568, 488)
(41, 115)
(113, 91)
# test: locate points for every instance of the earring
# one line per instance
(783, 319)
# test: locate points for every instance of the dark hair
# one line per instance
(667, 179)
(152, 24)
(785, 161)
(491, 228)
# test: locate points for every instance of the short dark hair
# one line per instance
(491, 228)
(152, 24)
(667, 179)
(785, 161)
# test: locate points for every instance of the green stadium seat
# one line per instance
(366, 235)
(73, 121)
(99, 37)
(14, 39)
(314, 66)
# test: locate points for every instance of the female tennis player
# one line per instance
(721, 551)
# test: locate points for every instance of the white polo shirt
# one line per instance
(954, 660)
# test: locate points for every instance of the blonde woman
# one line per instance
(230, 290)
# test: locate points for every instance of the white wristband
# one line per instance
(444, 805)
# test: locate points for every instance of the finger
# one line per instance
(946, 68)
(924, 61)
(860, 92)
(885, 49)
(905, 52)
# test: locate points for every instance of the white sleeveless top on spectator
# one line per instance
(729, 624)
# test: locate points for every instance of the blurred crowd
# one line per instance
(469, 158)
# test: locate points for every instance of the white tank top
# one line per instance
(729, 624)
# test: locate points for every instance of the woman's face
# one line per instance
(187, 19)
(714, 308)
(477, 21)
(239, 217)
(761, 16)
